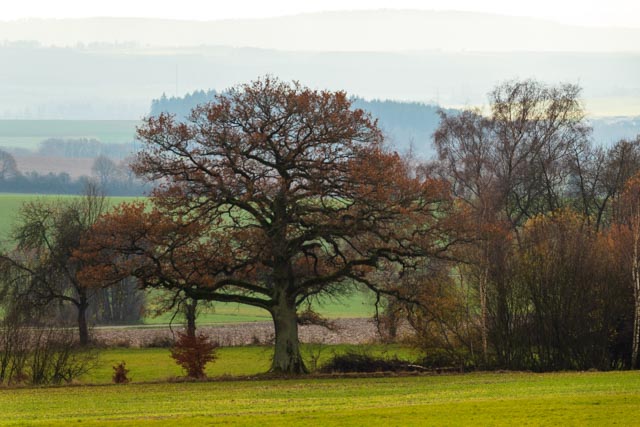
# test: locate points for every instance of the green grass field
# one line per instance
(10, 206)
(355, 305)
(156, 364)
(28, 134)
(597, 399)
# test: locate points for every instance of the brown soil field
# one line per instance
(346, 331)
(45, 164)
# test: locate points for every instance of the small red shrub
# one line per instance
(120, 374)
(193, 353)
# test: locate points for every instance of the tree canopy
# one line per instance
(270, 195)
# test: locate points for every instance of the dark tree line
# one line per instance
(181, 106)
(116, 179)
(63, 183)
(83, 147)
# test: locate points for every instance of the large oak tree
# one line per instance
(270, 195)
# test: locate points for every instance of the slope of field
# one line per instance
(28, 134)
(611, 398)
(10, 206)
(49, 164)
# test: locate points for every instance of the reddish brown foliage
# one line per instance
(270, 195)
(193, 353)
(120, 372)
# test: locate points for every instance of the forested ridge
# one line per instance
(407, 124)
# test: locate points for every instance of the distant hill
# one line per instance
(405, 124)
(181, 106)
(608, 130)
(118, 83)
(110, 68)
(376, 30)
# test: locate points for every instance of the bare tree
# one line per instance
(47, 234)
(8, 166)
(537, 127)
(627, 238)
(467, 156)
(599, 177)
(510, 166)
(105, 170)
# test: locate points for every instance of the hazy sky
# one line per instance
(580, 12)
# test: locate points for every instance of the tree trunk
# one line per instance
(190, 307)
(483, 314)
(83, 329)
(286, 357)
(636, 292)
(636, 327)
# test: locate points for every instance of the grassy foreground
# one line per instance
(611, 398)
(156, 364)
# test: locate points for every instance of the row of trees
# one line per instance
(549, 282)
(501, 252)
(115, 178)
(83, 148)
(516, 248)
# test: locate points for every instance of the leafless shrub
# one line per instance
(39, 353)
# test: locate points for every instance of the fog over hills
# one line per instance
(116, 83)
(379, 30)
(111, 68)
